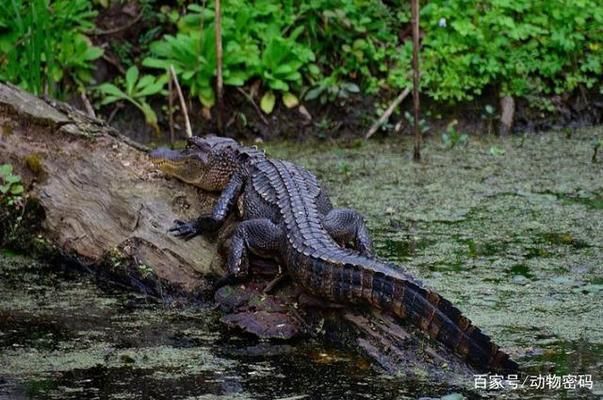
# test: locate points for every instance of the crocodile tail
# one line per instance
(437, 317)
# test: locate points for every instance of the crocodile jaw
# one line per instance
(176, 163)
(206, 163)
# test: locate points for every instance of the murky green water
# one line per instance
(511, 231)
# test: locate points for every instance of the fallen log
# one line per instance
(105, 206)
(100, 195)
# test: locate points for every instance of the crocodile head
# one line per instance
(206, 162)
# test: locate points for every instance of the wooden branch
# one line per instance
(415, 78)
(89, 108)
(384, 117)
(254, 104)
(219, 83)
(187, 122)
(114, 62)
(171, 108)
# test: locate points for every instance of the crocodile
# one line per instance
(287, 216)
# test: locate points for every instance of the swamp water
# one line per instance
(510, 231)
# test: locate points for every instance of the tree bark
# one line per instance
(100, 195)
(104, 202)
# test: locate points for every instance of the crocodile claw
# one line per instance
(184, 230)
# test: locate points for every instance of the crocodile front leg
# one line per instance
(213, 222)
(345, 226)
(259, 236)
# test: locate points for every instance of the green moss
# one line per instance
(34, 163)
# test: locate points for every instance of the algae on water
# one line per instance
(514, 240)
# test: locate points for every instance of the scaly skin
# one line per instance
(286, 216)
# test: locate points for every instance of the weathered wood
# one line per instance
(99, 194)
(388, 342)
(507, 109)
(103, 199)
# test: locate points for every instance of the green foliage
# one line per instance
(353, 41)
(526, 47)
(282, 60)
(276, 42)
(11, 187)
(193, 57)
(322, 50)
(43, 44)
(423, 126)
(452, 137)
(136, 89)
(328, 49)
(330, 88)
(268, 102)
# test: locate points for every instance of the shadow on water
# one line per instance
(515, 241)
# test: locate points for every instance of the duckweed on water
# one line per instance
(68, 339)
(514, 240)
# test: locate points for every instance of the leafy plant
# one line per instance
(282, 61)
(330, 89)
(43, 44)
(423, 126)
(452, 137)
(193, 57)
(255, 46)
(353, 41)
(280, 66)
(524, 47)
(11, 187)
(136, 89)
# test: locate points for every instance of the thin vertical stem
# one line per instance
(416, 77)
(187, 122)
(219, 83)
(171, 107)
